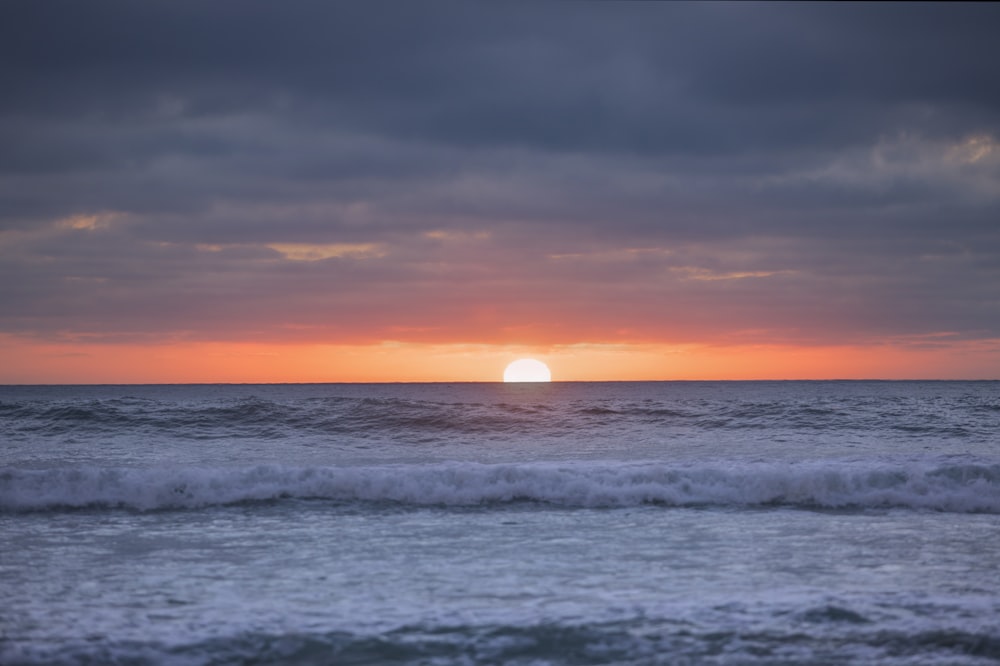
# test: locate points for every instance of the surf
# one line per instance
(967, 487)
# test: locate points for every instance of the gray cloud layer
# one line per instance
(500, 171)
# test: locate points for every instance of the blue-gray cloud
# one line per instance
(792, 172)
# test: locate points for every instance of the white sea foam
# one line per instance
(951, 488)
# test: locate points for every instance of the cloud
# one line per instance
(450, 172)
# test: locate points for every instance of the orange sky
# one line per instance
(31, 362)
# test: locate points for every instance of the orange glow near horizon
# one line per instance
(26, 362)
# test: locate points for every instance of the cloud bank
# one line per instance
(499, 172)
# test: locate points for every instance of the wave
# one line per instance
(550, 643)
(255, 416)
(268, 419)
(960, 488)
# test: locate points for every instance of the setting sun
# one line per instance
(527, 370)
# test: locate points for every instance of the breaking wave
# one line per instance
(960, 488)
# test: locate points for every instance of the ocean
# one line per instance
(565, 523)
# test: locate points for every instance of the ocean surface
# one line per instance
(564, 523)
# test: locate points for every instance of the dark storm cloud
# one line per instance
(809, 172)
(642, 77)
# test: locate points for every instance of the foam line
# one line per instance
(953, 488)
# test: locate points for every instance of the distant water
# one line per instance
(565, 523)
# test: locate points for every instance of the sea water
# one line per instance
(563, 523)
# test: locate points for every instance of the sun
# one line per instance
(527, 370)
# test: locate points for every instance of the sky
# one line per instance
(256, 191)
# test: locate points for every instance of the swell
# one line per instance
(623, 643)
(271, 419)
(960, 488)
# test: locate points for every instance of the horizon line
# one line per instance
(466, 381)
